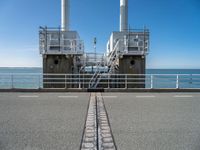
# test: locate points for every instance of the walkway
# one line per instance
(57, 121)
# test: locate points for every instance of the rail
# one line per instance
(55, 41)
(112, 58)
(109, 81)
(95, 78)
(93, 59)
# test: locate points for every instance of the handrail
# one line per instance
(113, 57)
(104, 80)
(113, 52)
(94, 77)
(104, 73)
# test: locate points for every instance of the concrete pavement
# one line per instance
(42, 121)
(150, 121)
(139, 121)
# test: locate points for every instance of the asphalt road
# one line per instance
(42, 121)
(139, 121)
(150, 121)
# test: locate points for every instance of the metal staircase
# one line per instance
(95, 78)
(111, 63)
(112, 59)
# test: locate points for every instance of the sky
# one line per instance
(174, 28)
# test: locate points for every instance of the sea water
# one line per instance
(17, 77)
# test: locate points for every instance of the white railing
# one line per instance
(108, 81)
(93, 59)
(112, 58)
(55, 41)
(134, 42)
(94, 80)
(62, 46)
(21, 81)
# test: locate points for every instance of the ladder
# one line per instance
(96, 77)
(111, 63)
(112, 58)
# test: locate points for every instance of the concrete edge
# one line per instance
(153, 90)
(43, 90)
(100, 90)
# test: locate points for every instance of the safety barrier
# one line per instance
(106, 81)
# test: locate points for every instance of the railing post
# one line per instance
(151, 81)
(38, 81)
(177, 82)
(126, 85)
(12, 84)
(79, 81)
(108, 81)
(65, 81)
(90, 79)
(83, 81)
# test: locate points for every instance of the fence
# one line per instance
(107, 81)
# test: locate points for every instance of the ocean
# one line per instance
(162, 78)
(13, 70)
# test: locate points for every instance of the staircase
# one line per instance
(96, 77)
(111, 63)
(112, 59)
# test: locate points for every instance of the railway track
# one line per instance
(97, 133)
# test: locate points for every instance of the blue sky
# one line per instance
(174, 27)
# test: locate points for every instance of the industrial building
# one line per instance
(64, 54)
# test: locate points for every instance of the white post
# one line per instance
(83, 81)
(126, 84)
(177, 81)
(151, 81)
(79, 81)
(65, 81)
(108, 81)
(38, 81)
(12, 84)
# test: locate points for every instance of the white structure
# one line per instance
(65, 13)
(61, 41)
(56, 41)
(61, 48)
(123, 15)
(127, 49)
(128, 42)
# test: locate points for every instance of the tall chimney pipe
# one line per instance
(65, 15)
(123, 15)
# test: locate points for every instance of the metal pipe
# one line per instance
(65, 15)
(123, 15)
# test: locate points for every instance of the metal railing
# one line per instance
(94, 81)
(93, 59)
(62, 46)
(107, 81)
(57, 41)
(112, 58)
(134, 42)
(21, 81)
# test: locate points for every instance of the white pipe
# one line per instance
(123, 15)
(65, 15)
